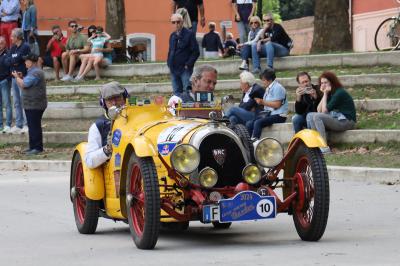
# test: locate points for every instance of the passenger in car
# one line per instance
(248, 107)
(275, 105)
(99, 148)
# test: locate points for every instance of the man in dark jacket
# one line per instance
(18, 50)
(212, 43)
(182, 55)
(308, 97)
(5, 87)
(33, 87)
(248, 107)
(274, 42)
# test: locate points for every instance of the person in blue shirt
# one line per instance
(9, 13)
(182, 55)
(33, 88)
(275, 105)
(18, 50)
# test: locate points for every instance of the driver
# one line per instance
(99, 148)
(204, 79)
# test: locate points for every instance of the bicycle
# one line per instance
(387, 36)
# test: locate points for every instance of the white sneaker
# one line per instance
(77, 79)
(24, 130)
(244, 65)
(67, 78)
(6, 129)
(15, 130)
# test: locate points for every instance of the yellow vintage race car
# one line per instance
(166, 171)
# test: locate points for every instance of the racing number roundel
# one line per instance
(265, 207)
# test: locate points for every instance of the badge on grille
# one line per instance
(219, 155)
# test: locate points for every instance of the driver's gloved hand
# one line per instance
(107, 149)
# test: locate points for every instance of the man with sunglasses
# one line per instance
(182, 55)
(76, 45)
(54, 49)
(274, 42)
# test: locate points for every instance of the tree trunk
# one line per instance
(115, 20)
(331, 26)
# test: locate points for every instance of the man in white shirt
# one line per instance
(99, 148)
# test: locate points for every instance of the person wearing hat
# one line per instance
(34, 100)
(99, 149)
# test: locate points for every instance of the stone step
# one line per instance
(165, 87)
(230, 66)
(282, 132)
(79, 110)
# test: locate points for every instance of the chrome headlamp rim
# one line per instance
(258, 145)
(244, 169)
(206, 169)
(172, 156)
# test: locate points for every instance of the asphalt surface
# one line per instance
(37, 228)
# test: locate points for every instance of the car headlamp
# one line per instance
(268, 152)
(208, 177)
(185, 158)
(251, 174)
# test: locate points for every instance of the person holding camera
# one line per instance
(243, 10)
(274, 102)
(308, 97)
(76, 45)
(54, 49)
(95, 58)
(33, 88)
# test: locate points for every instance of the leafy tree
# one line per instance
(272, 6)
(331, 26)
(291, 9)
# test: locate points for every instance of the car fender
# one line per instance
(311, 138)
(93, 178)
(144, 147)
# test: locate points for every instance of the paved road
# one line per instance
(37, 228)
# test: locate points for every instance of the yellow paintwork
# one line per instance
(311, 138)
(93, 178)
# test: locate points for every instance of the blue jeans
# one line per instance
(245, 52)
(243, 31)
(255, 126)
(269, 50)
(180, 82)
(299, 122)
(17, 100)
(239, 115)
(5, 98)
(34, 118)
(194, 27)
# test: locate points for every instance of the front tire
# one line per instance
(387, 36)
(143, 202)
(311, 209)
(86, 211)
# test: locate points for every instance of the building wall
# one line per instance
(367, 15)
(302, 32)
(144, 19)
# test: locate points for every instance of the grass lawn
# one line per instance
(314, 72)
(379, 120)
(360, 154)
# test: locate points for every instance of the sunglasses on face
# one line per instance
(175, 22)
(254, 22)
(74, 26)
(267, 20)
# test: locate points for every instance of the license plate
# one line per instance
(246, 205)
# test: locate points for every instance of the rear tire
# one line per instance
(311, 209)
(144, 208)
(86, 211)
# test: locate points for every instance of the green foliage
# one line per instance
(272, 6)
(291, 9)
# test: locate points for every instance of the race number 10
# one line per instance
(265, 208)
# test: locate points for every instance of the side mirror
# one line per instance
(113, 112)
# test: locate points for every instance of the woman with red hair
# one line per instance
(336, 111)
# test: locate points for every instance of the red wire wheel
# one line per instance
(86, 211)
(143, 202)
(311, 208)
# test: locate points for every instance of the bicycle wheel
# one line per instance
(387, 36)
